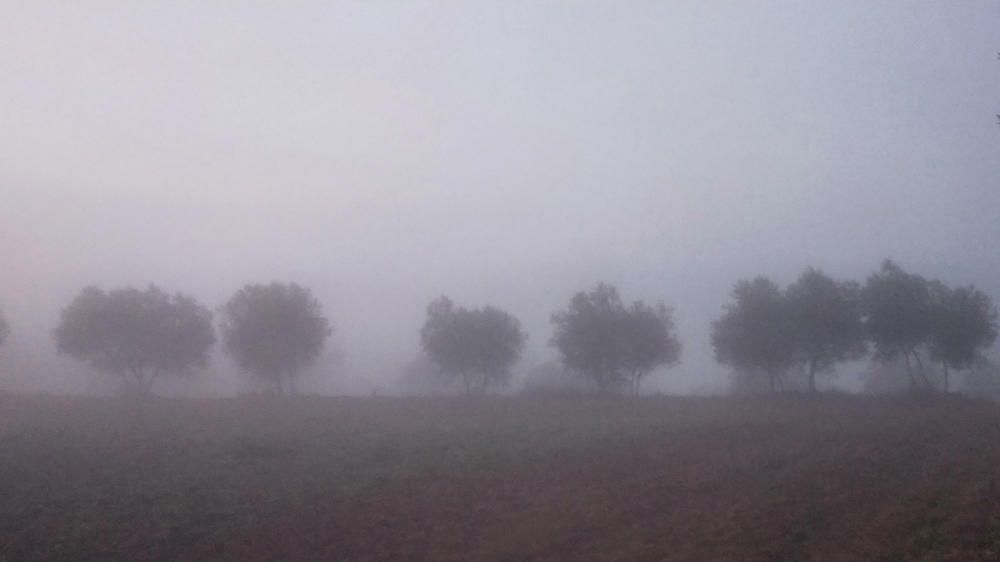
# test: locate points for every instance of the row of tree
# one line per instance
(270, 331)
(597, 336)
(817, 322)
(274, 331)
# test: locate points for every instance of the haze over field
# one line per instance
(383, 154)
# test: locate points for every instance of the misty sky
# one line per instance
(507, 153)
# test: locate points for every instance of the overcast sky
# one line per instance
(507, 153)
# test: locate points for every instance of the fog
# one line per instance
(385, 153)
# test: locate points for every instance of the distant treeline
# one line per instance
(273, 331)
(817, 322)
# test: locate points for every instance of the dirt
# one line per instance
(843, 479)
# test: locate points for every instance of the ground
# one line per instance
(787, 478)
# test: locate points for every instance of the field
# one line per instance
(789, 478)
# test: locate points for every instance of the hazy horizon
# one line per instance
(383, 154)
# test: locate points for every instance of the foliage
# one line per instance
(908, 316)
(611, 344)
(478, 345)
(892, 377)
(898, 317)
(756, 332)
(818, 322)
(963, 324)
(649, 341)
(274, 331)
(826, 315)
(136, 335)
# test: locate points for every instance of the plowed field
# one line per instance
(789, 478)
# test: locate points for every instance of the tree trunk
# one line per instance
(922, 371)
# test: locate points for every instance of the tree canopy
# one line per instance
(756, 332)
(818, 322)
(963, 324)
(478, 345)
(898, 317)
(273, 331)
(136, 335)
(826, 320)
(613, 345)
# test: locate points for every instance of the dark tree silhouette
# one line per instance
(613, 345)
(136, 335)
(963, 324)
(649, 342)
(273, 331)
(898, 317)
(756, 331)
(827, 324)
(479, 345)
(587, 335)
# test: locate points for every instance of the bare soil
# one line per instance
(789, 478)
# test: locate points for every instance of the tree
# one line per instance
(898, 317)
(479, 345)
(136, 335)
(982, 380)
(649, 342)
(826, 319)
(756, 331)
(613, 345)
(274, 331)
(963, 324)
(891, 377)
